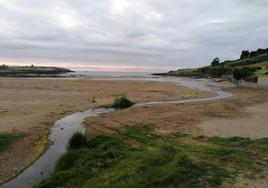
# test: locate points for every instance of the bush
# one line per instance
(214, 71)
(77, 141)
(3, 67)
(245, 73)
(122, 102)
(215, 62)
(253, 78)
(220, 71)
(237, 74)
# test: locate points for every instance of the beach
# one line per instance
(29, 107)
(244, 115)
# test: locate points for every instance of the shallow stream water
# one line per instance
(64, 128)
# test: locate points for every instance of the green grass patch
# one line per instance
(121, 102)
(179, 160)
(6, 140)
(77, 141)
(141, 134)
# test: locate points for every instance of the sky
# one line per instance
(129, 35)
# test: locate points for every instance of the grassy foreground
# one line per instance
(6, 140)
(136, 158)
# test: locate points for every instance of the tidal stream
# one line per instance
(64, 128)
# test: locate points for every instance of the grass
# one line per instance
(121, 102)
(226, 68)
(77, 141)
(179, 160)
(6, 140)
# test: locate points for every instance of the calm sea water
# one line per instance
(108, 75)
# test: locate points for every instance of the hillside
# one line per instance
(30, 71)
(251, 67)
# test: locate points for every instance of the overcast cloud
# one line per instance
(134, 35)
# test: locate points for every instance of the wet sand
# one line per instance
(29, 107)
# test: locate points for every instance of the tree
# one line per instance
(237, 75)
(260, 51)
(253, 54)
(215, 62)
(243, 73)
(3, 67)
(244, 54)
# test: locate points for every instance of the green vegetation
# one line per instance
(30, 71)
(215, 62)
(251, 65)
(121, 102)
(77, 141)
(6, 140)
(137, 158)
(214, 71)
(247, 54)
(246, 73)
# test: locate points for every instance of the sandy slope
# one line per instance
(30, 106)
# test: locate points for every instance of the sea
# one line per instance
(108, 75)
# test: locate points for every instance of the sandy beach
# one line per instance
(244, 114)
(29, 107)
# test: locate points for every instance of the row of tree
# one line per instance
(247, 54)
(3, 67)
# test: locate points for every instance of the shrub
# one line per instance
(218, 72)
(3, 67)
(237, 75)
(215, 62)
(122, 102)
(253, 78)
(214, 71)
(246, 73)
(77, 141)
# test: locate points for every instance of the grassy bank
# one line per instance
(138, 158)
(252, 68)
(6, 140)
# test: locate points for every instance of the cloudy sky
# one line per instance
(129, 35)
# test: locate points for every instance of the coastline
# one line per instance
(148, 113)
(59, 98)
(46, 163)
